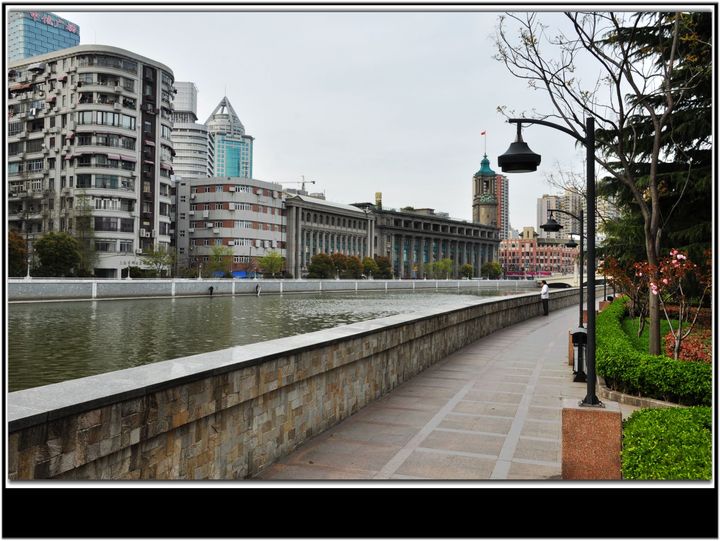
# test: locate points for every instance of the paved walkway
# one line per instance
(489, 411)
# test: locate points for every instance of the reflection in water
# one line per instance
(52, 342)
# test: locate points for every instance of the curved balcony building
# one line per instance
(90, 150)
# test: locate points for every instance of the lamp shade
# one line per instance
(571, 244)
(518, 158)
(552, 226)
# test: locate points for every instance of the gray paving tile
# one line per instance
(483, 444)
(491, 424)
(483, 408)
(446, 466)
(547, 451)
(534, 472)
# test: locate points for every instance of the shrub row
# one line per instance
(630, 371)
(668, 444)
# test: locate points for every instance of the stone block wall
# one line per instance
(228, 414)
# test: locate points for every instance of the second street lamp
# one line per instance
(520, 159)
(553, 226)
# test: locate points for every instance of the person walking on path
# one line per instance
(545, 297)
(257, 290)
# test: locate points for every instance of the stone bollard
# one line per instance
(591, 441)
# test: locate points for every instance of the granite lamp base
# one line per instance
(591, 441)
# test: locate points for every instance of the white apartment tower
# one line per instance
(89, 138)
(194, 144)
(571, 202)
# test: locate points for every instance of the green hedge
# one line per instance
(668, 444)
(630, 371)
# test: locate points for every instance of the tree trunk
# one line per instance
(654, 328)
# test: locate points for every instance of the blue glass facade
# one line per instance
(32, 33)
(233, 156)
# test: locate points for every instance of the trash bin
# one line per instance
(579, 340)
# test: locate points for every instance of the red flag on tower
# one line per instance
(482, 133)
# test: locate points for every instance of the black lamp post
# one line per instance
(520, 159)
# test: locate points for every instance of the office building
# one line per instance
(412, 238)
(316, 226)
(89, 139)
(233, 147)
(32, 33)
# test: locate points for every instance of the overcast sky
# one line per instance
(360, 102)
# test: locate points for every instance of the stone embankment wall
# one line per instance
(39, 289)
(230, 413)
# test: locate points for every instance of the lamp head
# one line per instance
(518, 158)
(552, 226)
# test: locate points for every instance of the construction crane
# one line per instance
(301, 182)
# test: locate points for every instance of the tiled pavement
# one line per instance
(489, 411)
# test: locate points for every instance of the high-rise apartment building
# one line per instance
(245, 215)
(502, 193)
(571, 202)
(233, 148)
(89, 148)
(31, 33)
(194, 144)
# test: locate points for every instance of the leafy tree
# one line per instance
(370, 267)
(321, 266)
(648, 74)
(491, 269)
(221, 260)
(443, 268)
(17, 254)
(59, 254)
(384, 270)
(85, 235)
(340, 262)
(160, 260)
(353, 267)
(467, 270)
(271, 263)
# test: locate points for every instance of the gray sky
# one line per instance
(360, 102)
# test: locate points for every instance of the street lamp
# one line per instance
(552, 226)
(520, 159)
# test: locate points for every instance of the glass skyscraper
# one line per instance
(233, 148)
(31, 33)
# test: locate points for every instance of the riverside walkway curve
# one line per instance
(490, 411)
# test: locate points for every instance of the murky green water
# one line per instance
(52, 342)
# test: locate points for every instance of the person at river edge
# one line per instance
(544, 297)
(257, 290)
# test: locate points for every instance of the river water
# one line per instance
(55, 341)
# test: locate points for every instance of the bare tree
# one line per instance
(634, 83)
